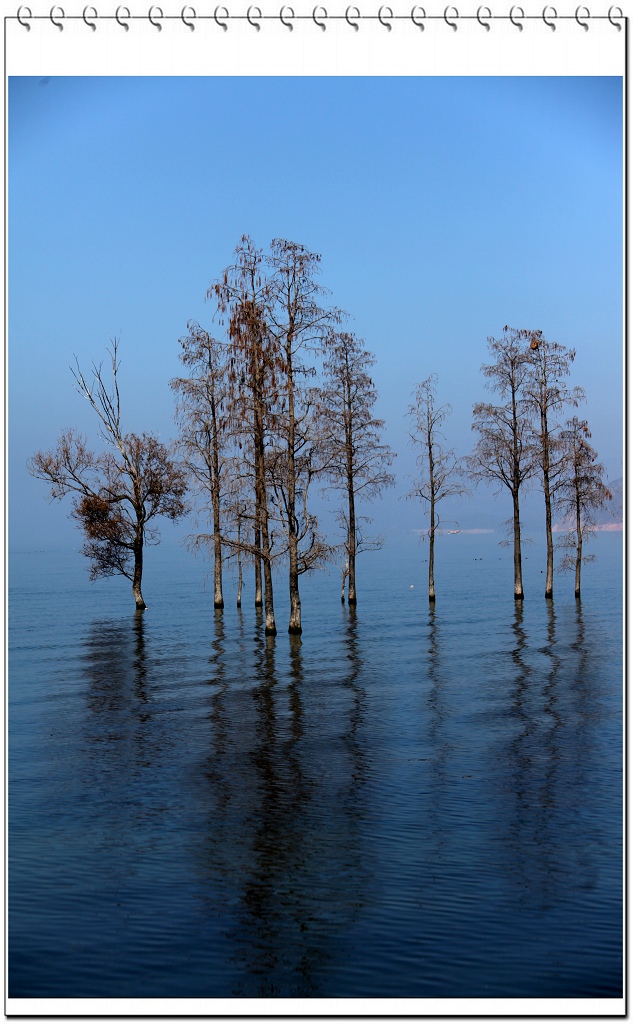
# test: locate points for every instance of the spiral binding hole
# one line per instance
(287, 16)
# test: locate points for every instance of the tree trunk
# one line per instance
(138, 574)
(262, 504)
(351, 543)
(432, 551)
(549, 578)
(344, 576)
(294, 625)
(518, 576)
(351, 531)
(218, 599)
(258, 567)
(578, 549)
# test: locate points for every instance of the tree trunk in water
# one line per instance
(344, 580)
(518, 576)
(578, 550)
(271, 629)
(432, 552)
(239, 582)
(218, 600)
(294, 626)
(258, 569)
(138, 575)
(549, 578)
(351, 540)
(295, 607)
(262, 505)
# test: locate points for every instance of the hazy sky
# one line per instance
(444, 208)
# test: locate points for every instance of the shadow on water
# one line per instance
(281, 849)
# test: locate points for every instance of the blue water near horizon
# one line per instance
(402, 802)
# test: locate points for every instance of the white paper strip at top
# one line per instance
(163, 43)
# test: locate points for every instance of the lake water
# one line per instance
(400, 803)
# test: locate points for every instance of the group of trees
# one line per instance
(520, 439)
(284, 401)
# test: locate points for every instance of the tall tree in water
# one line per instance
(438, 466)
(504, 453)
(546, 392)
(358, 462)
(202, 415)
(298, 323)
(243, 297)
(119, 492)
(580, 494)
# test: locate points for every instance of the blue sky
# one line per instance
(444, 208)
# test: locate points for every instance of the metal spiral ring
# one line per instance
(57, 24)
(91, 24)
(349, 11)
(583, 24)
(517, 24)
(150, 17)
(452, 24)
(189, 24)
(222, 11)
(612, 11)
(321, 24)
(126, 12)
(420, 24)
(484, 24)
(19, 16)
(249, 17)
(291, 14)
(550, 24)
(385, 12)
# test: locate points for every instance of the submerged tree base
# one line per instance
(519, 597)
(432, 597)
(270, 631)
(218, 604)
(294, 630)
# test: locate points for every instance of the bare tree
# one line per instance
(438, 465)
(202, 415)
(298, 323)
(243, 295)
(580, 494)
(119, 492)
(505, 452)
(546, 393)
(358, 462)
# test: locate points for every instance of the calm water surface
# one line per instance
(402, 802)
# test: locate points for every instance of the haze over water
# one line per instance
(403, 802)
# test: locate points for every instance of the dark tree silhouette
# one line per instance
(243, 297)
(202, 415)
(358, 462)
(545, 394)
(439, 469)
(505, 452)
(580, 494)
(119, 492)
(298, 323)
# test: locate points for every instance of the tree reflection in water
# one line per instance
(548, 848)
(282, 843)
